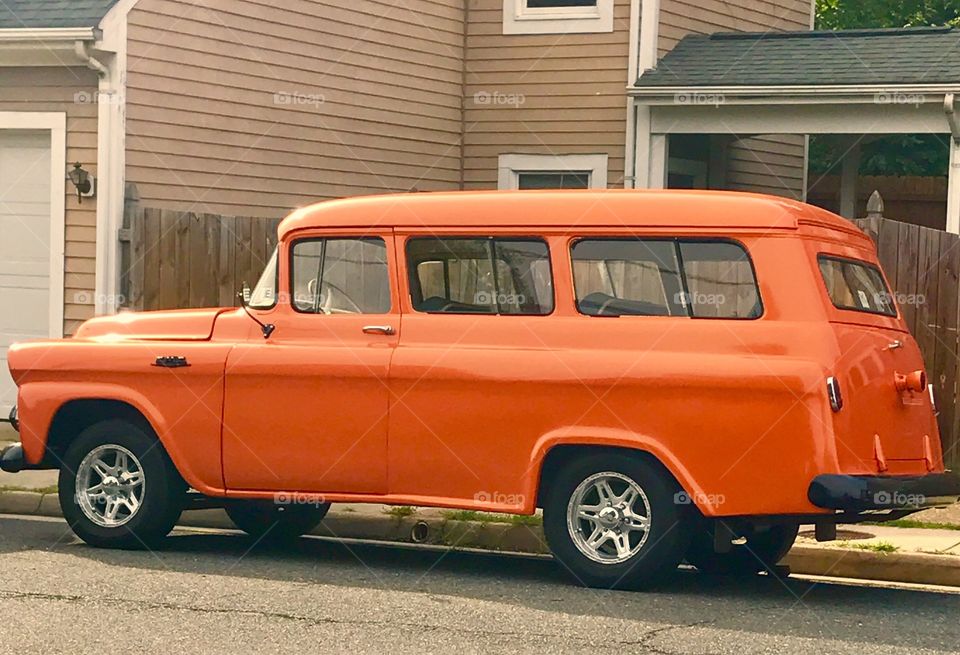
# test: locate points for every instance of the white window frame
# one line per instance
(510, 166)
(518, 18)
(56, 124)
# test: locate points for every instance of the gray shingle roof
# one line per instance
(53, 13)
(887, 57)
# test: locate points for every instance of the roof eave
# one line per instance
(852, 93)
(47, 34)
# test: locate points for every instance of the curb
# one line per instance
(916, 568)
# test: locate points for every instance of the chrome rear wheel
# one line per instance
(608, 517)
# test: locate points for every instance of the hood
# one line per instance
(175, 325)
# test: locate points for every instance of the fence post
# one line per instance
(875, 205)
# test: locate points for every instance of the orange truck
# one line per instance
(669, 375)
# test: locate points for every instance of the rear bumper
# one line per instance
(859, 493)
(12, 459)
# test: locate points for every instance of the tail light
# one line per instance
(833, 392)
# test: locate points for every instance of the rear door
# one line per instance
(881, 428)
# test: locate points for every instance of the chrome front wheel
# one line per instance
(118, 487)
(110, 485)
(608, 517)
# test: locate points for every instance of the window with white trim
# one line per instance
(557, 16)
(552, 172)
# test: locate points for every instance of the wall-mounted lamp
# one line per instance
(85, 183)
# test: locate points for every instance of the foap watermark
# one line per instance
(496, 98)
(897, 98)
(497, 498)
(898, 499)
(695, 299)
(90, 298)
(902, 299)
(490, 298)
(693, 98)
(295, 98)
(288, 499)
(97, 98)
(706, 500)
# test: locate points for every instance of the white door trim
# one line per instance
(56, 123)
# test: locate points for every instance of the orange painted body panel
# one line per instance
(460, 410)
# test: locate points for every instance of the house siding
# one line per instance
(544, 94)
(74, 92)
(771, 163)
(248, 107)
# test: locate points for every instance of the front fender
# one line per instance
(39, 403)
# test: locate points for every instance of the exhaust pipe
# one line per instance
(420, 532)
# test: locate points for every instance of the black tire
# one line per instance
(668, 532)
(162, 494)
(272, 522)
(761, 552)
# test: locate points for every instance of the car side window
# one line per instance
(340, 276)
(615, 277)
(720, 280)
(664, 277)
(480, 275)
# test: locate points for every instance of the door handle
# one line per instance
(378, 329)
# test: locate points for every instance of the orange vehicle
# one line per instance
(668, 375)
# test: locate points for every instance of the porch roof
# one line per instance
(856, 58)
(32, 14)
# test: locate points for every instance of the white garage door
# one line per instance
(24, 245)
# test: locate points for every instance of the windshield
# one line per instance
(264, 295)
(857, 286)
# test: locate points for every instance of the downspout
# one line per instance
(646, 39)
(951, 113)
(80, 47)
(464, 69)
(953, 184)
(633, 64)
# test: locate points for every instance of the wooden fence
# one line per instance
(922, 265)
(175, 260)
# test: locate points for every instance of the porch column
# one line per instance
(659, 156)
(849, 172)
(953, 189)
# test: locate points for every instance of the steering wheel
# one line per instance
(326, 301)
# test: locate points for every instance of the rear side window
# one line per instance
(340, 276)
(664, 277)
(480, 275)
(627, 276)
(855, 285)
(719, 279)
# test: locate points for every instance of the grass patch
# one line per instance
(52, 489)
(400, 511)
(911, 523)
(878, 547)
(492, 517)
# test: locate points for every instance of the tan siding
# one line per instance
(681, 17)
(768, 164)
(572, 89)
(205, 131)
(73, 91)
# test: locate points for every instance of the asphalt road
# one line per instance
(209, 592)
